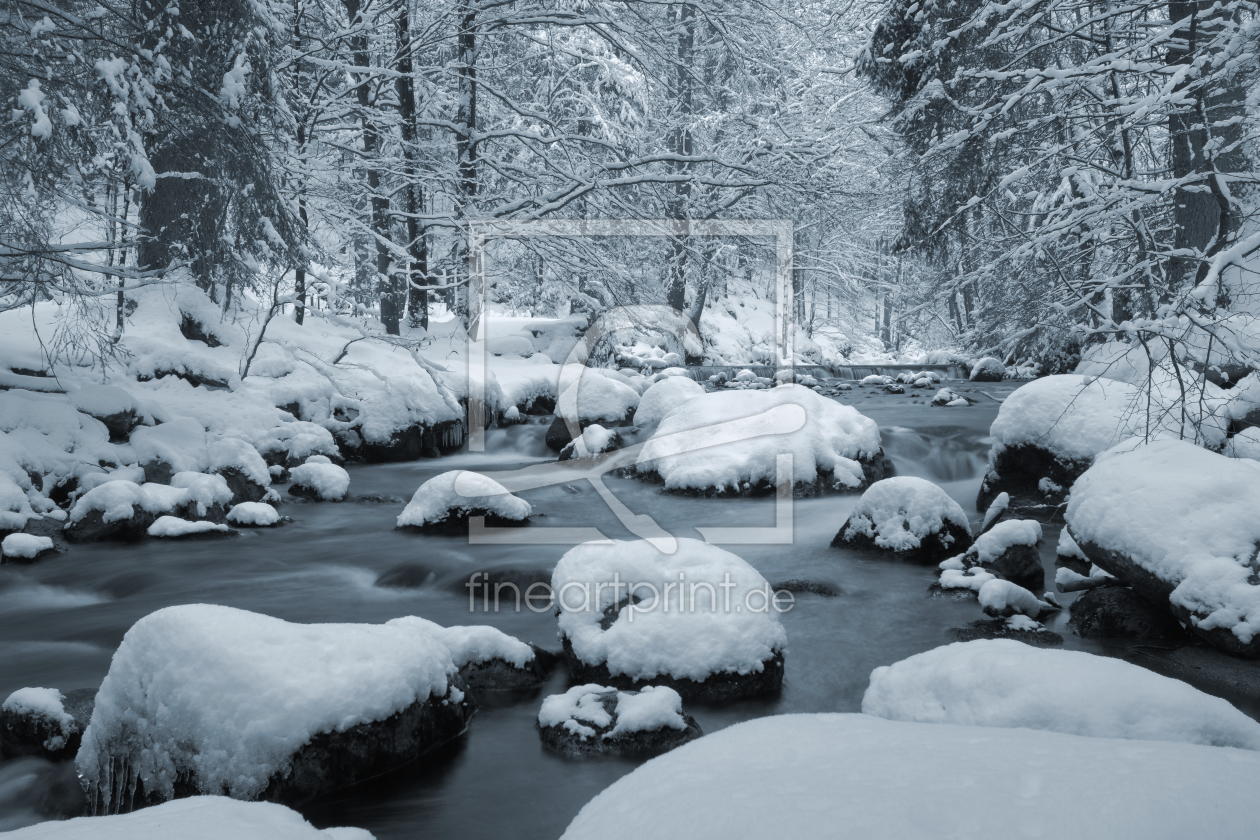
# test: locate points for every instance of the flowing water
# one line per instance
(61, 619)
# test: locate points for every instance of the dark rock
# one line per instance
(293, 408)
(499, 675)
(244, 488)
(540, 406)
(1119, 612)
(1018, 470)
(455, 523)
(997, 629)
(415, 442)
(194, 330)
(31, 734)
(633, 744)
(715, 688)
(1157, 591)
(120, 424)
(951, 540)
(377, 499)
(811, 587)
(1021, 565)
(93, 528)
(158, 472)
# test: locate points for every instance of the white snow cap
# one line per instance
(194, 818)
(647, 710)
(118, 499)
(1187, 516)
(858, 776)
(999, 595)
(45, 703)
(712, 632)
(900, 512)
(665, 396)
(173, 526)
(329, 481)
(231, 695)
(596, 397)
(992, 544)
(1071, 416)
(253, 513)
(25, 546)
(1002, 682)
(691, 452)
(102, 400)
(473, 644)
(460, 490)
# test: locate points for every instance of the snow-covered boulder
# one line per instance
(1000, 597)
(174, 528)
(728, 443)
(112, 406)
(487, 658)
(1052, 428)
(860, 776)
(444, 503)
(910, 517)
(195, 818)
(15, 507)
(178, 445)
(1111, 612)
(241, 466)
(203, 698)
(1177, 523)
(1005, 683)
(596, 720)
(594, 398)
(253, 515)
(665, 396)
(124, 510)
(290, 444)
(25, 548)
(712, 630)
(950, 398)
(594, 440)
(876, 379)
(44, 722)
(319, 479)
(988, 369)
(1008, 550)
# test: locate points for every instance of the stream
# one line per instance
(61, 619)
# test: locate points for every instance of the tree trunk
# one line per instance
(418, 265)
(466, 146)
(681, 143)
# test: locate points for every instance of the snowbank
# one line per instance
(227, 697)
(715, 616)
(907, 515)
(666, 395)
(999, 682)
(195, 818)
(830, 443)
(840, 775)
(458, 494)
(1177, 522)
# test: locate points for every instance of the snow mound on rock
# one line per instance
(992, 544)
(118, 499)
(257, 514)
(45, 703)
(230, 695)
(195, 818)
(1001, 682)
(666, 395)
(1001, 597)
(728, 439)
(652, 708)
(899, 512)
(25, 546)
(174, 527)
(1186, 516)
(473, 644)
(460, 490)
(327, 481)
(695, 629)
(858, 776)
(596, 397)
(1069, 415)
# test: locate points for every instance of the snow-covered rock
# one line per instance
(174, 528)
(23, 548)
(1108, 612)
(113, 406)
(597, 398)
(1009, 550)
(594, 440)
(1177, 523)
(1000, 597)
(216, 699)
(124, 510)
(596, 719)
(910, 517)
(44, 722)
(876, 379)
(444, 503)
(712, 630)
(194, 818)
(325, 482)
(728, 442)
(1009, 684)
(487, 658)
(253, 515)
(948, 397)
(850, 775)
(663, 397)
(988, 369)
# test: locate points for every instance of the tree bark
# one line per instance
(417, 248)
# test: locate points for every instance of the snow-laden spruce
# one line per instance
(728, 442)
(320, 479)
(446, 501)
(1000, 682)
(859, 776)
(908, 516)
(1178, 524)
(711, 629)
(663, 397)
(195, 818)
(590, 719)
(224, 699)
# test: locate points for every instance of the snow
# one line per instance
(230, 452)
(663, 397)
(180, 442)
(1069, 415)
(900, 512)
(259, 514)
(25, 546)
(460, 490)
(595, 397)
(713, 617)
(594, 440)
(1067, 547)
(955, 578)
(195, 818)
(470, 645)
(329, 481)
(999, 595)
(1002, 682)
(988, 367)
(859, 776)
(102, 400)
(1245, 444)
(15, 508)
(876, 379)
(118, 499)
(230, 695)
(996, 508)
(1187, 516)
(690, 452)
(203, 490)
(173, 526)
(652, 708)
(45, 703)
(992, 544)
